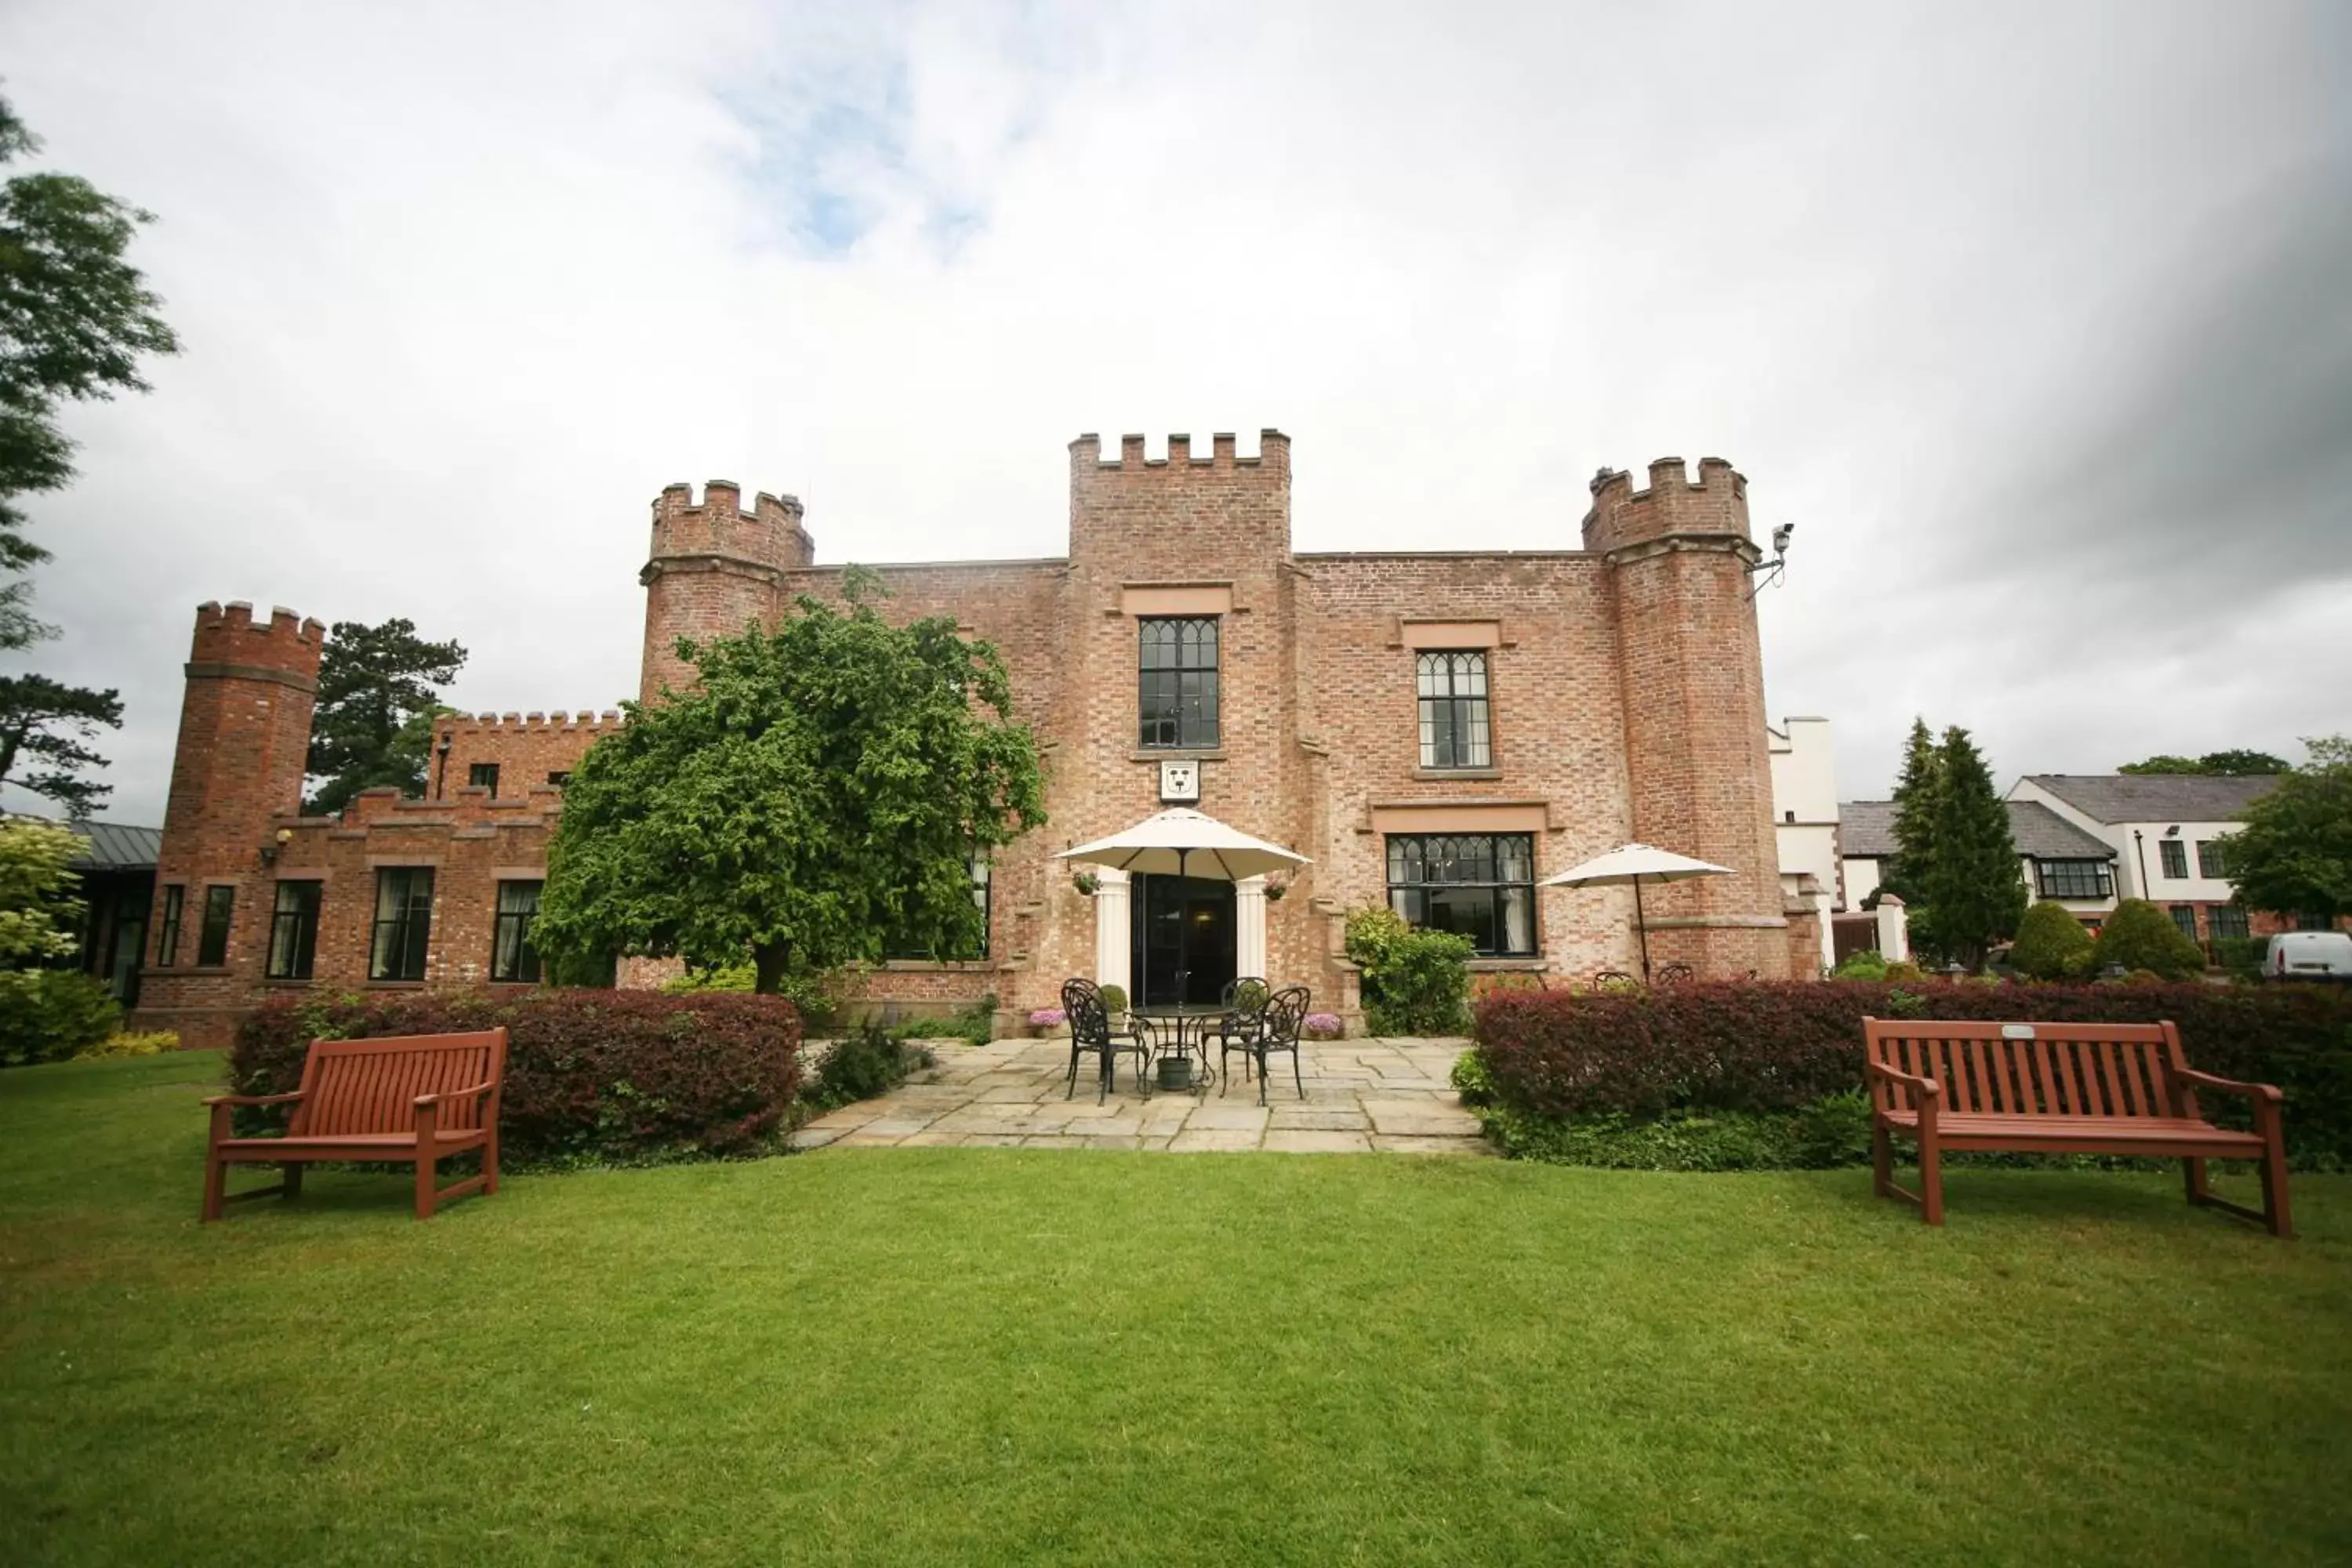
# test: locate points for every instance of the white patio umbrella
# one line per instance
(1635, 863)
(1163, 844)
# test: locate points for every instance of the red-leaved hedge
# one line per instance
(1775, 1047)
(591, 1075)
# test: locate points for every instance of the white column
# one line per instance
(1249, 929)
(1112, 932)
(1893, 930)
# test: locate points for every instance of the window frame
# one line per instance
(403, 926)
(2212, 861)
(2102, 872)
(1205, 704)
(219, 921)
(520, 965)
(1470, 714)
(302, 949)
(483, 775)
(2188, 926)
(1403, 894)
(2218, 915)
(2172, 859)
(167, 933)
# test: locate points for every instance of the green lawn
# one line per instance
(946, 1354)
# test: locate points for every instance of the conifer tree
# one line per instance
(1974, 888)
(1915, 825)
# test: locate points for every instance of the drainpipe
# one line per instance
(2139, 852)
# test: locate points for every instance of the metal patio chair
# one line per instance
(1242, 1013)
(1286, 1017)
(1091, 1035)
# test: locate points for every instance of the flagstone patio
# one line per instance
(1393, 1096)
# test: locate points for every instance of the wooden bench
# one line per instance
(2065, 1088)
(406, 1099)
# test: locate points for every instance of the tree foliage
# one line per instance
(2052, 945)
(1957, 864)
(820, 792)
(378, 696)
(43, 728)
(2294, 854)
(75, 320)
(2232, 764)
(2139, 935)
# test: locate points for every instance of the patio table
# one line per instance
(1181, 1031)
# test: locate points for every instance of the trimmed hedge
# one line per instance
(1779, 1049)
(593, 1077)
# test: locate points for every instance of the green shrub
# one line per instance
(149, 1043)
(1413, 982)
(869, 1060)
(975, 1024)
(817, 997)
(1115, 999)
(2139, 935)
(593, 1077)
(49, 1014)
(2052, 945)
(2241, 954)
(1868, 964)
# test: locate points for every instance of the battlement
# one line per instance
(1087, 459)
(229, 637)
(1671, 504)
(771, 534)
(528, 723)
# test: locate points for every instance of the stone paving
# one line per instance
(1393, 1096)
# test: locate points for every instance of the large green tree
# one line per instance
(2294, 854)
(43, 728)
(2233, 764)
(379, 692)
(75, 321)
(1915, 817)
(820, 792)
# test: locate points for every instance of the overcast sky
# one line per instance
(2036, 319)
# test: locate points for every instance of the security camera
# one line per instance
(1780, 538)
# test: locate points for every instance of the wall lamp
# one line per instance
(1762, 573)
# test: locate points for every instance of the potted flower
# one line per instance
(1086, 883)
(1323, 1027)
(1275, 888)
(1046, 1022)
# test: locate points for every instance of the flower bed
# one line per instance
(1555, 1069)
(593, 1077)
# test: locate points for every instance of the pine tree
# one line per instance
(1975, 892)
(1915, 827)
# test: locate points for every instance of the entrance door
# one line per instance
(1202, 909)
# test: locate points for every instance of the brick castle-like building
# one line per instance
(1435, 729)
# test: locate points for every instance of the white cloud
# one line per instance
(464, 286)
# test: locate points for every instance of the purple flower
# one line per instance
(1323, 1023)
(1045, 1018)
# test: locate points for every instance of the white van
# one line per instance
(2309, 955)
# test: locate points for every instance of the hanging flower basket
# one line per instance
(1275, 888)
(1086, 883)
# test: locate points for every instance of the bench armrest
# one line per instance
(251, 1099)
(2259, 1091)
(468, 1093)
(1927, 1087)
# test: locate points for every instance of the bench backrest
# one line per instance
(371, 1086)
(2033, 1069)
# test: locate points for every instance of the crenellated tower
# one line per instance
(244, 747)
(713, 569)
(1692, 675)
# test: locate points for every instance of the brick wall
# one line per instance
(1626, 701)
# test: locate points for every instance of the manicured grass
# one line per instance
(947, 1354)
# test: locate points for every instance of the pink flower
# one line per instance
(1045, 1018)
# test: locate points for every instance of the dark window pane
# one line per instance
(1478, 885)
(512, 956)
(2211, 860)
(293, 932)
(403, 923)
(2185, 917)
(1176, 681)
(212, 941)
(483, 775)
(167, 941)
(2225, 920)
(2074, 879)
(2175, 858)
(1454, 728)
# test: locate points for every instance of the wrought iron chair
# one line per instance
(1091, 1035)
(1675, 974)
(1613, 979)
(1242, 1015)
(1285, 1017)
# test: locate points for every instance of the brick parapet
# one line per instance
(712, 569)
(526, 749)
